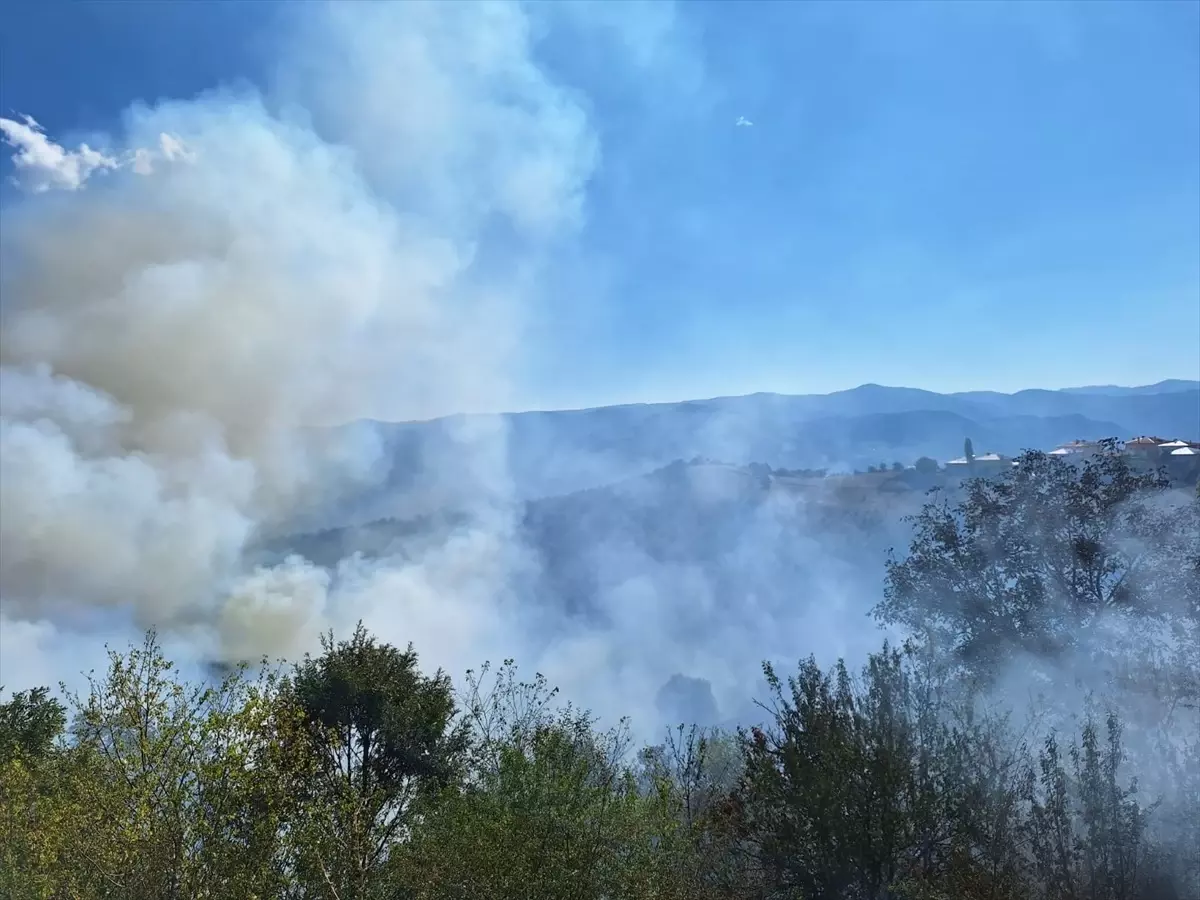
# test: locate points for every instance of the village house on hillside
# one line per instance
(1160, 450)
(1176, 454)
(985, 463)
(1179, 448)
(1145, 445)
(1077, 448)
(1180, 457)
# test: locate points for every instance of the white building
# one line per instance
(985, 462)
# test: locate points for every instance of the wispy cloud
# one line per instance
(743, 122)
(44, 165)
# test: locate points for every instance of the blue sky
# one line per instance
(947, 196)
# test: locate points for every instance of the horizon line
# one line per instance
(1192, 384)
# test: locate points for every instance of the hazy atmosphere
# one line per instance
(625, 340)
(401, 211)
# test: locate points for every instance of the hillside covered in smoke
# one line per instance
(660, 572)
(563, 451)
(698, 569)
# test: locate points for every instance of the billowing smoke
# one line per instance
(201, 312)
(188, 307)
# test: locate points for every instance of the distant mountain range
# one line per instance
(535, 454)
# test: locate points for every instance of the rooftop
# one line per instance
(983, 457)
(1173, 447)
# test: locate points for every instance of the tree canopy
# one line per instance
(1028, 561)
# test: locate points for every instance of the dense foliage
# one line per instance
(354, 775)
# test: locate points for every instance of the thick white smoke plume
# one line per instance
(239, 269)
(185, 308)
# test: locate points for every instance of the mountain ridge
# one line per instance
(450, 462)
(1166, 386)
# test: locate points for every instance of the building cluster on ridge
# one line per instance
(1146, 448)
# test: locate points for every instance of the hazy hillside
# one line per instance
(719, 534)
(691, 542)
(432, 465)
(684, 550)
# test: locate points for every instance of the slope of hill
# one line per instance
(536, 454)
(720, 533)
(693, 543)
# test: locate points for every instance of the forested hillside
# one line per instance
(1036, 736)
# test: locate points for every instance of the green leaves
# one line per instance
(165, 788)
(550, 810)
(1025, 562)
(380, 723)
(30, 724)
(890, 785)
(382, 744)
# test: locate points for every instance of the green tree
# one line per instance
(549, 810)
(701, 766)
(1029, 560)
(693, 773)
(30, 724)
(969, 451)
(863, 790)
(1086, 830)
(384, 745)
(166, 789)
(926, 466)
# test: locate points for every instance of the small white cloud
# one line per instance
(45, 164)
(42, 164)
(743, 122)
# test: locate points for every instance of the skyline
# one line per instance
(783, 198)
(1096, 388)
